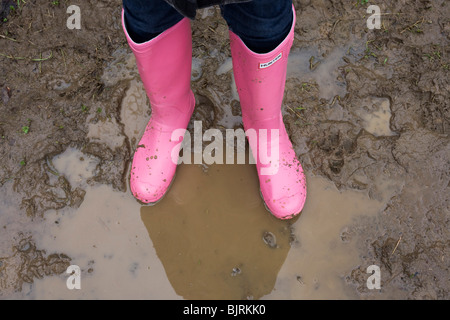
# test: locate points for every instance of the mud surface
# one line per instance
(367, 111)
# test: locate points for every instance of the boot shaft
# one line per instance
(164, 64)
(260, 79)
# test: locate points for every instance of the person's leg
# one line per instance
(261, 24)
(146, 19)
(259, 66)
(164, 63)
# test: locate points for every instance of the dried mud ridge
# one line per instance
(51, 89)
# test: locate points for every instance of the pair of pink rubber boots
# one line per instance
(164, 64)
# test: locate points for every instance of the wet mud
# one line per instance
(367, 112)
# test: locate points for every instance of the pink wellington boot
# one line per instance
(260, 81)
(164, 64)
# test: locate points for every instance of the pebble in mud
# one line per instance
(270, 239)
(235, 272)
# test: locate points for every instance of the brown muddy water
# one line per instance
(209, 238)
(367, 112)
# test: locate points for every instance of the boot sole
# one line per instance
(150, 204)
(293, 215)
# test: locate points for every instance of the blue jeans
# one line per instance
(261, 24)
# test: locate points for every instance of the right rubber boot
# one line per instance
(260, 82)
(164, 64)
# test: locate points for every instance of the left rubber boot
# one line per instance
(260, 82)
(164, 65)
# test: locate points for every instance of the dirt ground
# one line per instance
(52, 90)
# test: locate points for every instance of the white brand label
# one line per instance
(271, 62)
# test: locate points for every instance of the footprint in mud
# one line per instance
(270, 239)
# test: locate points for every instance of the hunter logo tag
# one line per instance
(271, 62)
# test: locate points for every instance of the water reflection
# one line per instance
(214, 236)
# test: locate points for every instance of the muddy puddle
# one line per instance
(209, 238)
